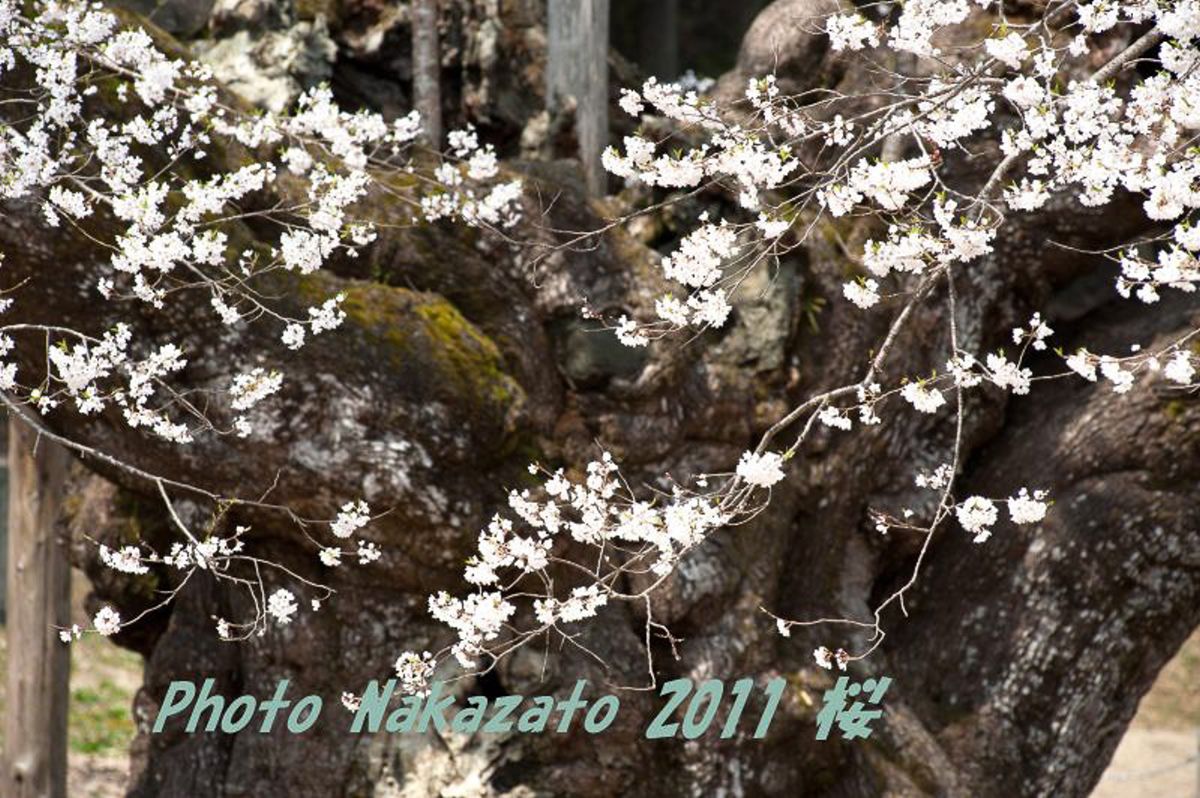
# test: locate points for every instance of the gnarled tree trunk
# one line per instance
(1017, 667)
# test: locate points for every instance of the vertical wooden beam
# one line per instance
(427, 70)
(39, 598)
(4, 519)
(658, 39)
(577, 67)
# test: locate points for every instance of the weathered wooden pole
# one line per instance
(577, 67)
(38, 598)
(427, 70)
(658, 38)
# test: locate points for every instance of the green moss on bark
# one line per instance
(427, 331)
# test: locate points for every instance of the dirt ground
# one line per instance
(1160, 754)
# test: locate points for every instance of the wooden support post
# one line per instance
(427, 70)
(39, 598)
(577, 66)
(658, 39)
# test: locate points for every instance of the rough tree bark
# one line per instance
(1015, 672)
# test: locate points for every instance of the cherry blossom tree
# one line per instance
(992, 211)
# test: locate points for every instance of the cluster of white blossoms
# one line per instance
(1073, 123)
(1036, 335)
(127, 559)
(459, 196)
(251, 388)
(711, 260)
(863, 292)
(221, 556)
(917, 247)
(281, 605)
(248, 390)
(107, 622)
(835, 417)
(112, 137)
(477, 620)
(414, 671)
(828, 659)
(1176, 265)
(597, 512)
(760, 470)
(978, 515)
(698, 263)
(1066, 128)
(1027, 509)
(1009, 50)
(886, 184)
(851, 32)
(938, 479)
(1174, 363)
(352, 517)
(923, 397)
(582, 603)
(94, 372)
(210, 554)
(1179, 368)
(175, 236)
(1073, 137)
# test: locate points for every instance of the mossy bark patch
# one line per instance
(424, 336)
